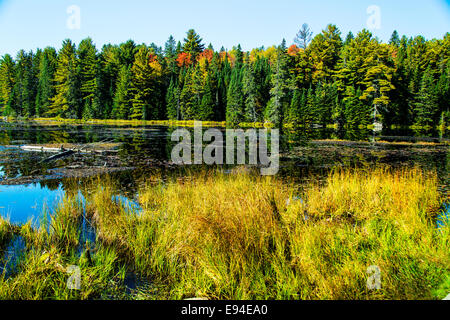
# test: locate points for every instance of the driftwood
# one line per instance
(41, 149)
(61, 155)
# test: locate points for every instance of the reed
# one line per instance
(243, 236)
(5, 232)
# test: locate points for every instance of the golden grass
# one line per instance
(237, 237)
(243, 236)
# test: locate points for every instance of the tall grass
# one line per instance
(243, 236)
(5, 232)
(43, 272)
(246, 237)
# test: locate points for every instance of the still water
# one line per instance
(304, 152)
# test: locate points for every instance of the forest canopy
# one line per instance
(321, 79)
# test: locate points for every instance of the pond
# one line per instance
(28, 184)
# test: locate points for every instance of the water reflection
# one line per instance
(141, 146)
(21, 203)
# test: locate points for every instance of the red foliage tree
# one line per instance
(293, 50)
(184, 59)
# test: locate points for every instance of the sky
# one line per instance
(31, 24)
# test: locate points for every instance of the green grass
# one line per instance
(243, 236)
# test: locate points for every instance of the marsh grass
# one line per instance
(5, 232)
(50, 249)
(243, 236)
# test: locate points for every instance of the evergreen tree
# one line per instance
(88, 69)
(67, 101)
(426, 105)
(249, 89)
(325, 81)
(170, 53)
(173, 101)
(355, 114)
(325, 50)
(122, 100)
(349, 38)
(235, 103)
(310, 107)
(24, 91)
(146, 86)
(304, 36)
(276, 106)
(294, 114)
(109, 65)
(193, 44)
(395, 39)
(7, 78)
(207, 104)
(45, 88)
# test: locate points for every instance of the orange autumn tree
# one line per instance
(184, 59)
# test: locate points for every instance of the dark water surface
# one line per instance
(304, 152)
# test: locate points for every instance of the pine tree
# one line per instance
(7, 67)
(235, 103)
(88, 75)
(294, 114)
(207, 104)
(426, 105)
(309, 111)
(304, 36)
(395, 39)
(443, 95)
(349, 38)
(170, 53)
(46, 89)
(193, 44)
(109, 67)
(146, 86)
(191, 94)
(127, 52)
(172, 101)
(67, 101)
(122, 99)
(325, 49)
(276, 106)
(249, 89)
(354, 113)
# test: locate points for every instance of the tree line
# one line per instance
(320, 80)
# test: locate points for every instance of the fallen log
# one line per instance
(59, 156)
(40, 149)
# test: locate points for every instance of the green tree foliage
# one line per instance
(249, 89)
(426, 106)
(88, 75)
(193, 44)
(319, 81)
(277, 103)
(173, 101)
(67, 101)
(235, 101)
(25, 85)
(45, 88)
(146, 85)
(122, 100)
(7, 79)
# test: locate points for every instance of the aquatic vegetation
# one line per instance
(234, 237)
(5, 232)
(45, 274)
(243, 236)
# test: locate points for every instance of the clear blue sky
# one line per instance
(29, 24)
